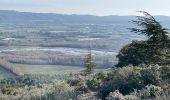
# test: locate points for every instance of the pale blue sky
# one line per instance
(92, 7)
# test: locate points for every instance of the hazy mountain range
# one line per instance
(14, 17)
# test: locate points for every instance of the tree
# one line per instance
(154, 50)
(89, 64)
(151, 28)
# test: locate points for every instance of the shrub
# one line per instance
(74, 82)
(151, 75)
(127, 79)
(117, 80)
(100, 76)
(116, 95)
(60, 91)
(93, 84)
(165, 72)
(8, 90)
(133, 82)
(149, 92)
(154, 90)
(82, 89)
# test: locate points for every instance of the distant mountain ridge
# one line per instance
(15, 17)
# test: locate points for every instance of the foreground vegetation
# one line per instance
(36, 87)
(130, 82)
(143, 70)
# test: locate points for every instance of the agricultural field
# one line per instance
(47, 69)
(55, 49)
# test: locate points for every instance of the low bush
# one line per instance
(8, 90)
(127, 79)
(154, 90)
(100, 76)
(74, 82)
(93, 84)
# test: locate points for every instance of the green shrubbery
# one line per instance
(74, 82)
(127, 79)
(8, 90)
(154, 90)
(52, 91)
(101, 76)
(93, 84)
(36, 87)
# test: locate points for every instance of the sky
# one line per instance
(90, 7)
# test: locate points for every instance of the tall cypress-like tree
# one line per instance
(89, 63)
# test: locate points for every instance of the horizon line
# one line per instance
(74, 13)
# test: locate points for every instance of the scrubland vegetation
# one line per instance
(128, 83)
(142, 71)
(37, 87)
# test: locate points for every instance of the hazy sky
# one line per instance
(93, 7)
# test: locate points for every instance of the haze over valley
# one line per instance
(56, 39)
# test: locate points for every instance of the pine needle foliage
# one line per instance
(154, 50)
(151, 28)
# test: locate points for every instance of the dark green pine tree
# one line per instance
(154, 50)
(148, 26)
